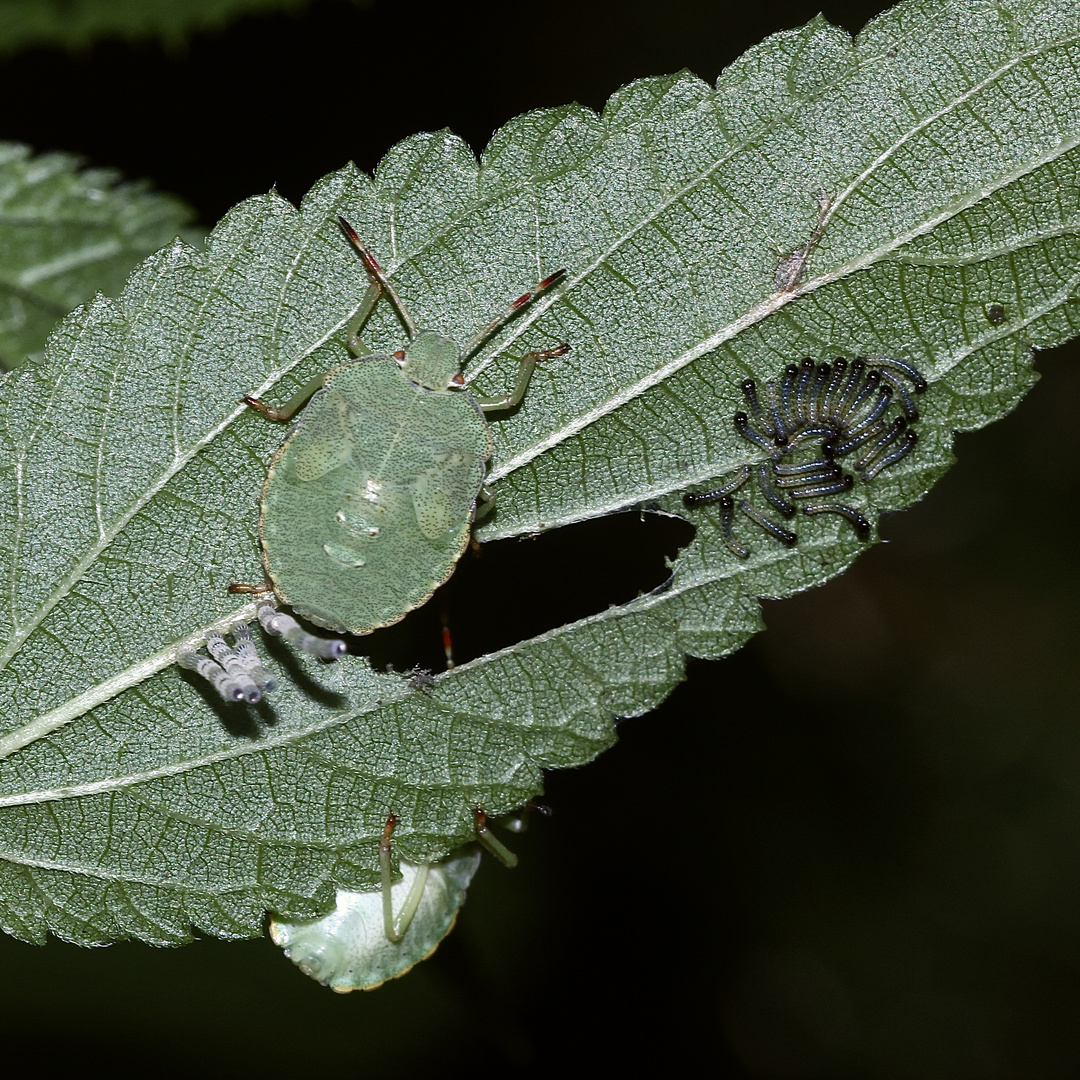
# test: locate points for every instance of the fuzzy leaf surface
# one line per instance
(133, 804)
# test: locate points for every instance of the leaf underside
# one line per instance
(134, 805)
(66, 234)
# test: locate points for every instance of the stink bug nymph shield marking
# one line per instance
(368, 505)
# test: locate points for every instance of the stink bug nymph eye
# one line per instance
(818, 413)
(368, 505)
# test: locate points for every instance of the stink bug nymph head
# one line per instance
(433, 361)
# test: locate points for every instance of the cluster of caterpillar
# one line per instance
(806, 421)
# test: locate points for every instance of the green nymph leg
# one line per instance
(367, 305)
(292, 406)
(488, 839)
(379, 284)
(525, 372)
(395, 928)
(528, 361)
(485, 503)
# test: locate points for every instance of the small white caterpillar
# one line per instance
(282, 625)
(248, 659)
(230, 687)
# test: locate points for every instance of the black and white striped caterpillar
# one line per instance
(806, 421)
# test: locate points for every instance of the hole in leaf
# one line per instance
(512, 590)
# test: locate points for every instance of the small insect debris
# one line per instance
(792, 265)
(808, 419)
(420, 678)
(518, 821)
(237, 673)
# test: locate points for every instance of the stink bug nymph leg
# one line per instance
(241, 589)
(490, 841)
(525, 372)
(370, 501)
(395, 928)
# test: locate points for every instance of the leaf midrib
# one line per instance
(181, 459)
(672, 589)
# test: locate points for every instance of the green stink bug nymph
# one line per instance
(368, 505)
(348, 949)
(371, 937)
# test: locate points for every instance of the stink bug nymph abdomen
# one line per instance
(368, 505)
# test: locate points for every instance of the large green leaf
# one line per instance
(131, 803)
(77, 24)
(65, 234)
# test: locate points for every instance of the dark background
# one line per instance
(851, 850)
